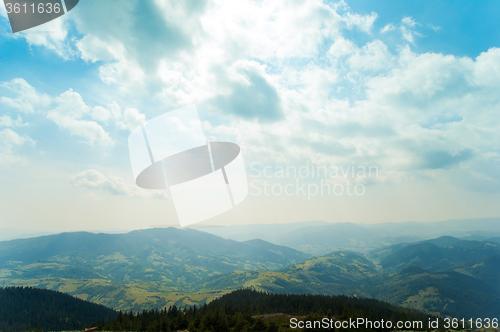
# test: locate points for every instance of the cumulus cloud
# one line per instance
(294, 83)
(26, 99)
(132, 119)
(362, 22)
(52, 35)
(9, 141)
(68, 115)
(7, 121)
(104, 114)
(68, 111)
(113, 185)
(374, 55)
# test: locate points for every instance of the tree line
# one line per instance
(33, 309)
(236, 311)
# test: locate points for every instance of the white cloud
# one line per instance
(93, 49)
(68, 115)
(132, 118)
(27, 99)
(112, 111)
(407, 29)
(363, 102)
(101, 114)
(387, 28)
(362, 22)
(9, 140)
(70, 112)
(7, 121)
(113, 184)
(342, 47)
(487, 69)
(53, 36)
(409, 21)
(206, 36)
(373, 56)
(435, 28)
(409, 35)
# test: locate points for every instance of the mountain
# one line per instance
(149, 268)
(445, 293)
(268, 232)
(336, 273)
(338, 236)
(164, 254)
(443, 253)
(494, 239)
(486, 269)
(7, 234)
(23, 308)
(318, 238)
(157, 268)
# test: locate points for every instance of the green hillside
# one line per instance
(486, 269)
(23, 308)
(173, 256)
(336, 273)
(439, 254)
(446, 293)
(141, 269)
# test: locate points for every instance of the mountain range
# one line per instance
(155, 268)
(180, 256)
(318, 237)
(126, 271)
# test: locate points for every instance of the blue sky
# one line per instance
(410, 88)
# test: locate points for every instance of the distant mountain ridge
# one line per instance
(151, 251)
(318, 238)
(441, 254)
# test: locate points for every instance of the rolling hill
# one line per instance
(336, 273)
(486, 269)
(439, 254)
(147, 268)
(444, 293)
(183, 256)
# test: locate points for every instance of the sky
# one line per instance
(350, 111)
